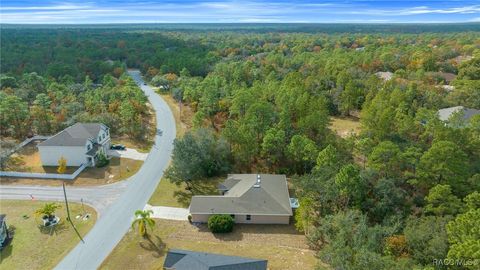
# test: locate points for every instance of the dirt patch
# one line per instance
(182, 113)
(345, 126)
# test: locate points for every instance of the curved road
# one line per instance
(115, 203)
(116, 220)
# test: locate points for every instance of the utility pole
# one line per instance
(68, 213)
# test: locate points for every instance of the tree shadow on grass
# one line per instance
(200, 187)
(235, 235)
(154, 244)
(183, 197)
(56, 229)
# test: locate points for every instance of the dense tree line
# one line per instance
(81, 52)
(35, 105)
(401, 194)
(393, 196)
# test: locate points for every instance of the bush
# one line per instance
(190, 218)
(102, 161)
(220, 223)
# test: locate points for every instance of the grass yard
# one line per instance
(345, 126)
(118, 169)
(168, 194)
(281, 245)
(33, 247)
(183, 120)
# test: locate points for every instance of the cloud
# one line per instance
(51, 7)
(115, 11)
(454, 10)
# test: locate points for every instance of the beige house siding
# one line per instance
(75, 155)
(255, 219)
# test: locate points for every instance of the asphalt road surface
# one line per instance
(99, 197)
(116, 219)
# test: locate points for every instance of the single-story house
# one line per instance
(78, 144)
(446, 113)
(188, 260)
(248, 198)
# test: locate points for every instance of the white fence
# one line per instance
(45, 175)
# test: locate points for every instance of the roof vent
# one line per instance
(257, 184)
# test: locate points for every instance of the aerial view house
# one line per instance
(78, 144)
(249, 198)
(187, 260)
(466, 113)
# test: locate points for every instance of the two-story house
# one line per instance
(78, 144)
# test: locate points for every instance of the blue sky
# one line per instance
(253, 11)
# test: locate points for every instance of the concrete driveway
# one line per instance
(128, 153)
(172, 213)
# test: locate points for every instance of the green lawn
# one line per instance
(281, 245)
(168, 194)
(34, 247)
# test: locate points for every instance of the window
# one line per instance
(89, 146)
(249, 217)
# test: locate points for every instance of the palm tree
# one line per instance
(142, 220)
(47, 210)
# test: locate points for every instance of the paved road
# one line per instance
(116, 220)
(100, 197)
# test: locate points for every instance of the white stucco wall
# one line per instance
(255, 219)
(104, 140)
(75, 155)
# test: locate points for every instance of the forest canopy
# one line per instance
(401, 193)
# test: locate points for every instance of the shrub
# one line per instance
(190, 218)
(102, 160)
(220, 223)
(47, 210)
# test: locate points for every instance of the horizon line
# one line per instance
(244, 23)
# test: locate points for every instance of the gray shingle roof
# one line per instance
(76, 135)
(186, 260)
(446, 113)
(271, 198)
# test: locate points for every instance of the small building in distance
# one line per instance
(78, 144)
(384, 75)
(177, 259)
(465, 114)
(248, 198)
